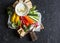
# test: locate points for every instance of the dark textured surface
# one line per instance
(50, 10)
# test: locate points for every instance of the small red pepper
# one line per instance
(24, 21)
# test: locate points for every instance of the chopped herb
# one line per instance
(10, 10)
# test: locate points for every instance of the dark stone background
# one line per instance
(50, 10)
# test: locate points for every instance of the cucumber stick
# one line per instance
(33, 18)
(36, 17)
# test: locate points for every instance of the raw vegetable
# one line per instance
(36, 24)
(13, 18)
(19, 22)
(25, 28)
(32, 17)
(33, 11)
(30, 21)
(25, 22)
(29, 27)
(16, 19)
(13, 25)
(36, 17)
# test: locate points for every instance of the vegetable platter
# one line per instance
(24, 19)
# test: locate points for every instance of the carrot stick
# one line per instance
(24, 21)
(29, 20)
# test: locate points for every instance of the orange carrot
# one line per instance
(29, 19)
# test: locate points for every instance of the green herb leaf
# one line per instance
(9, 10)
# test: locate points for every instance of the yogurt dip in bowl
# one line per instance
(21, 9)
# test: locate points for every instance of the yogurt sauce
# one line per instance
(21, 9)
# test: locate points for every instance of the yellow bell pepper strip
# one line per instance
(17, 19)
(13, 18)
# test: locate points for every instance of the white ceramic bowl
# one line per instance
(19, 6)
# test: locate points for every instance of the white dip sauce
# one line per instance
(20, 9)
